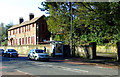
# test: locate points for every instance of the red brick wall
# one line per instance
(29, 32)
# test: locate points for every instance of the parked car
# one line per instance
(1, 51)
(38, 54)
(10, 53)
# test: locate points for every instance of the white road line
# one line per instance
(98, 67)
(64, 68)
(70, 69)
(79, 70)
(23, 72)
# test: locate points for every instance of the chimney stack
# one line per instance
(21, 20)
(31, 16)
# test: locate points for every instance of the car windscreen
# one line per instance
(1, 50)
(39, 51)
(11, 50)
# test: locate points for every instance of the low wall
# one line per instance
(85, 51)
(107, 49)
(24, 49)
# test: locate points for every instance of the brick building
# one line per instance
(30, 32)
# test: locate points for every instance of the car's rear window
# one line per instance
(11, 50)
(39, 51)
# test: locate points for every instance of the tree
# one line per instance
(59, 20)
(96, 22)
(4, 33)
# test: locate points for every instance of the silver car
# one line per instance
(38, 54)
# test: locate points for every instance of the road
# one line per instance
(23, 66)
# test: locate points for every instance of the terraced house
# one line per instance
(30, 32)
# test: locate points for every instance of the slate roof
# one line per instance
(25, 23)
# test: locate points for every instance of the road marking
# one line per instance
(70, 69)
(3, 67)
(64, 68)
(79, 70)
(98, 67)
(23, 72)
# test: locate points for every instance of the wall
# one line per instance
(107, 49)
(24, 49)
(85, 51)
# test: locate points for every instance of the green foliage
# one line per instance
(4, 33)
(92, 22)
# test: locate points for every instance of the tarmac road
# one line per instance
(22, 66)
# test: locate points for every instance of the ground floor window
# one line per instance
(26, 40)
(32, 40)
(22, 40)
(16, 41)
(29, 40)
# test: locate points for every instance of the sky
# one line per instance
(12, 10)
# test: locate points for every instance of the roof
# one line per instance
(25, 23)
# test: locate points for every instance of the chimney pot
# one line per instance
(31, 16)
(21, 20)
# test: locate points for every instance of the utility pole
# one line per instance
(71, 30)
(37, 34)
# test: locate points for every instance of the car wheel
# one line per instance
(47, 60)
(35, 58)
(29, 58)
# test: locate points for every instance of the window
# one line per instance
(16, 31)
(29, 27)
(32, 40)
(26, 40)
(13, 31)
(13, 42)
(25, 28)
(29, 40)
(22, 29)
(32, 25)
(10, 32)
(22, 40)
(19, 30)
(16, 41)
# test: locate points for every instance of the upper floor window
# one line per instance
(25, 28)
(16, 31)
(13, 31)
(29, 27)
(32, 25)
(22, 29)
(19, 30)
(10, 32)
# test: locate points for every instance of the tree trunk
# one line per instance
(93, 51)
(118, 51)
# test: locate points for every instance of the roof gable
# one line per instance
(26, 22)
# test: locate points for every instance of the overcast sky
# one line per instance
(12, 10)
